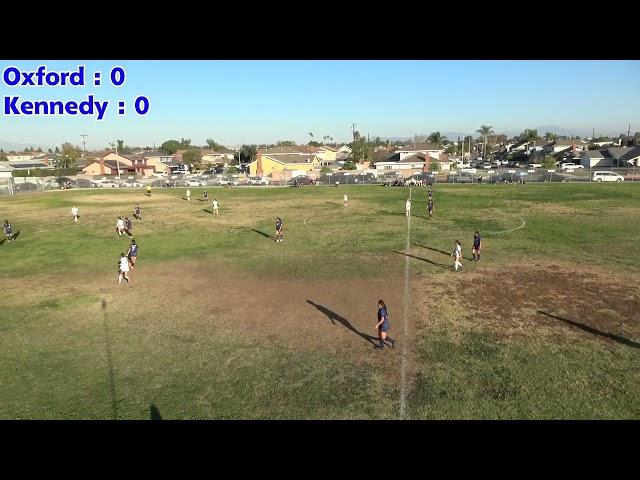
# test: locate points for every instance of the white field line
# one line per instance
(522, 225)
(405, 333)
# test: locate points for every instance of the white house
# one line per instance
(420, 148)
(563, 144)
(19, 157)
(611, 157)
(5, 170)
(410, 164)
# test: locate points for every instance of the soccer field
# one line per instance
(221, 322)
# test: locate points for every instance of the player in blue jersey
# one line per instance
(132, 253)
(279, 230)
(477, 245)
(383, 325)
(8, 230)
(430, 208)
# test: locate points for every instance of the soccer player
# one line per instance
(457, 253)
(345, 200)
(383, 325)
(123, 270)
(188, 195)
(407, 207)
(128, 226)
(430, 193)
(149, 190)
(279, 230)
(120, 226)
(205, 196)
(216, 207)
(477, 245)
(430, 208)
(8, 230)
(137, 212)
(132, 253)
(74, 213)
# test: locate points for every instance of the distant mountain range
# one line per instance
(19, 147)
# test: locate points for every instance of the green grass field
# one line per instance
(221, 322)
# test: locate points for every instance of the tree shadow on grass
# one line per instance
(594, 331)
(2, 241)
(266, 235)
(154, 413)
(441, 265)
(333, 316)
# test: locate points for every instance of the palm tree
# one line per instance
(485, 131)
(310, 137)
(550, 136)
(436, 138)
(530, 136)
(331, 138)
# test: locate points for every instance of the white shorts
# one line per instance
(124, 269)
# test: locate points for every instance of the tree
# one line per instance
(349, 166)
(57, 150)
(50, 151)
(529, 135)
(310, 136)
(248, 153)
(170, 146)
(192, 157)
(211, 143)
(549, 162)
(285, 143)
(68, 154)
(185, 143)
(314, 144)
(636, 138)
(331, 138)
(436, 138)
(39, 150)
(485, 131)
(435, 166)
(3, 157)
(232, 170)
(120, 145)
(324, 170)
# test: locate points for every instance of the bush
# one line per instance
(349, 166)
(325, 170)
(232, 170)
(435, 167)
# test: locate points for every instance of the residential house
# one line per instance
(408, 165)
(574, 144)
(432, 150)
(20, 157)
(5, 170)
(221, 155)
(343, 152)
(160, 161)
(283, 166)
(327, 155)
(30, 165)
(611, 157)
(127, 163)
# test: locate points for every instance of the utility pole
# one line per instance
(628, 135)
(117, 161)
(84, 145)
(353, 131)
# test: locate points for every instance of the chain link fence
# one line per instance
(18, 185)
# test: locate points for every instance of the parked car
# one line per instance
(535, 165)
(462, 178)
(258, 181)
(226, 181)
(300, 181)
(195, 183)
(569, 165)
(108, 184)
(131, 184)
(607, 177)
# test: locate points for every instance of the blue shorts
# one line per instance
(384, 327)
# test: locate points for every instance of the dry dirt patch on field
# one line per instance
(543, 300)
(185, 300)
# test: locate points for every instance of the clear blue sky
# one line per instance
(238, 102)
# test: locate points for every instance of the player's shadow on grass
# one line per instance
(206, 210)
(393, 213)
(333, 316)
(15, 235)
(2, 242)
(334, 203)
(594, 331)
(433, 249)
(154, 413)
(266, 235)
(442, 265)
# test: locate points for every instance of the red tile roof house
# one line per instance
(108, 165)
